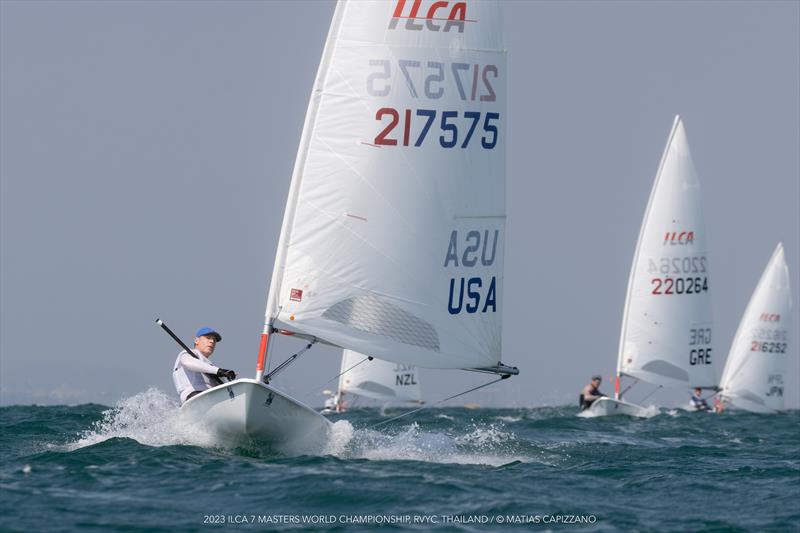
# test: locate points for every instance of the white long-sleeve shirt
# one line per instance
(188, 373)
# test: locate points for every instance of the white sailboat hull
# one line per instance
(610, 406)
(245, 411)
(754, 405)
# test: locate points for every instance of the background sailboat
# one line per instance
(375, 382)
(753, 378)
(666, 335)
(393, 236)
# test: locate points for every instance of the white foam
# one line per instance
(151, 418)
(651, 411)
(484, 445)
(341, 434)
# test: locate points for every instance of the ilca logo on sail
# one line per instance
(456, 16)
(674, 238)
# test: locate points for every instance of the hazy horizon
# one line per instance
(146, 151)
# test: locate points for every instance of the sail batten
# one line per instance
(394, 231)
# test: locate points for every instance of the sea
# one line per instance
(137, 466)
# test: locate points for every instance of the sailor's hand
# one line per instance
(229, 374)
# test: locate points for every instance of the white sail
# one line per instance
(394, 231)
(383, 381)
(666, 336)
(754, 372)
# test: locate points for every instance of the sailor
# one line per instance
(698, 402)
(341, 405)
(591, 393)
(330, 403)
(193, 373)
(719, 405)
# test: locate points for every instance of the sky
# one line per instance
(146, 150)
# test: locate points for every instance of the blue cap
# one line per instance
(208, 331)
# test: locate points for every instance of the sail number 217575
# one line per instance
(454, 131)
(425, 85)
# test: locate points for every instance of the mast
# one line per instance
(632, 274)
(271, 311)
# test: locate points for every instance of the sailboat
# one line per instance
(393, 236)
(753, 378)
(666, 335)
(382, 382)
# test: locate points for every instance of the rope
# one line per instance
(283, 365)
(367, 358)
(506, 376)
(629, 387)
(646, 397)
(712, 395)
